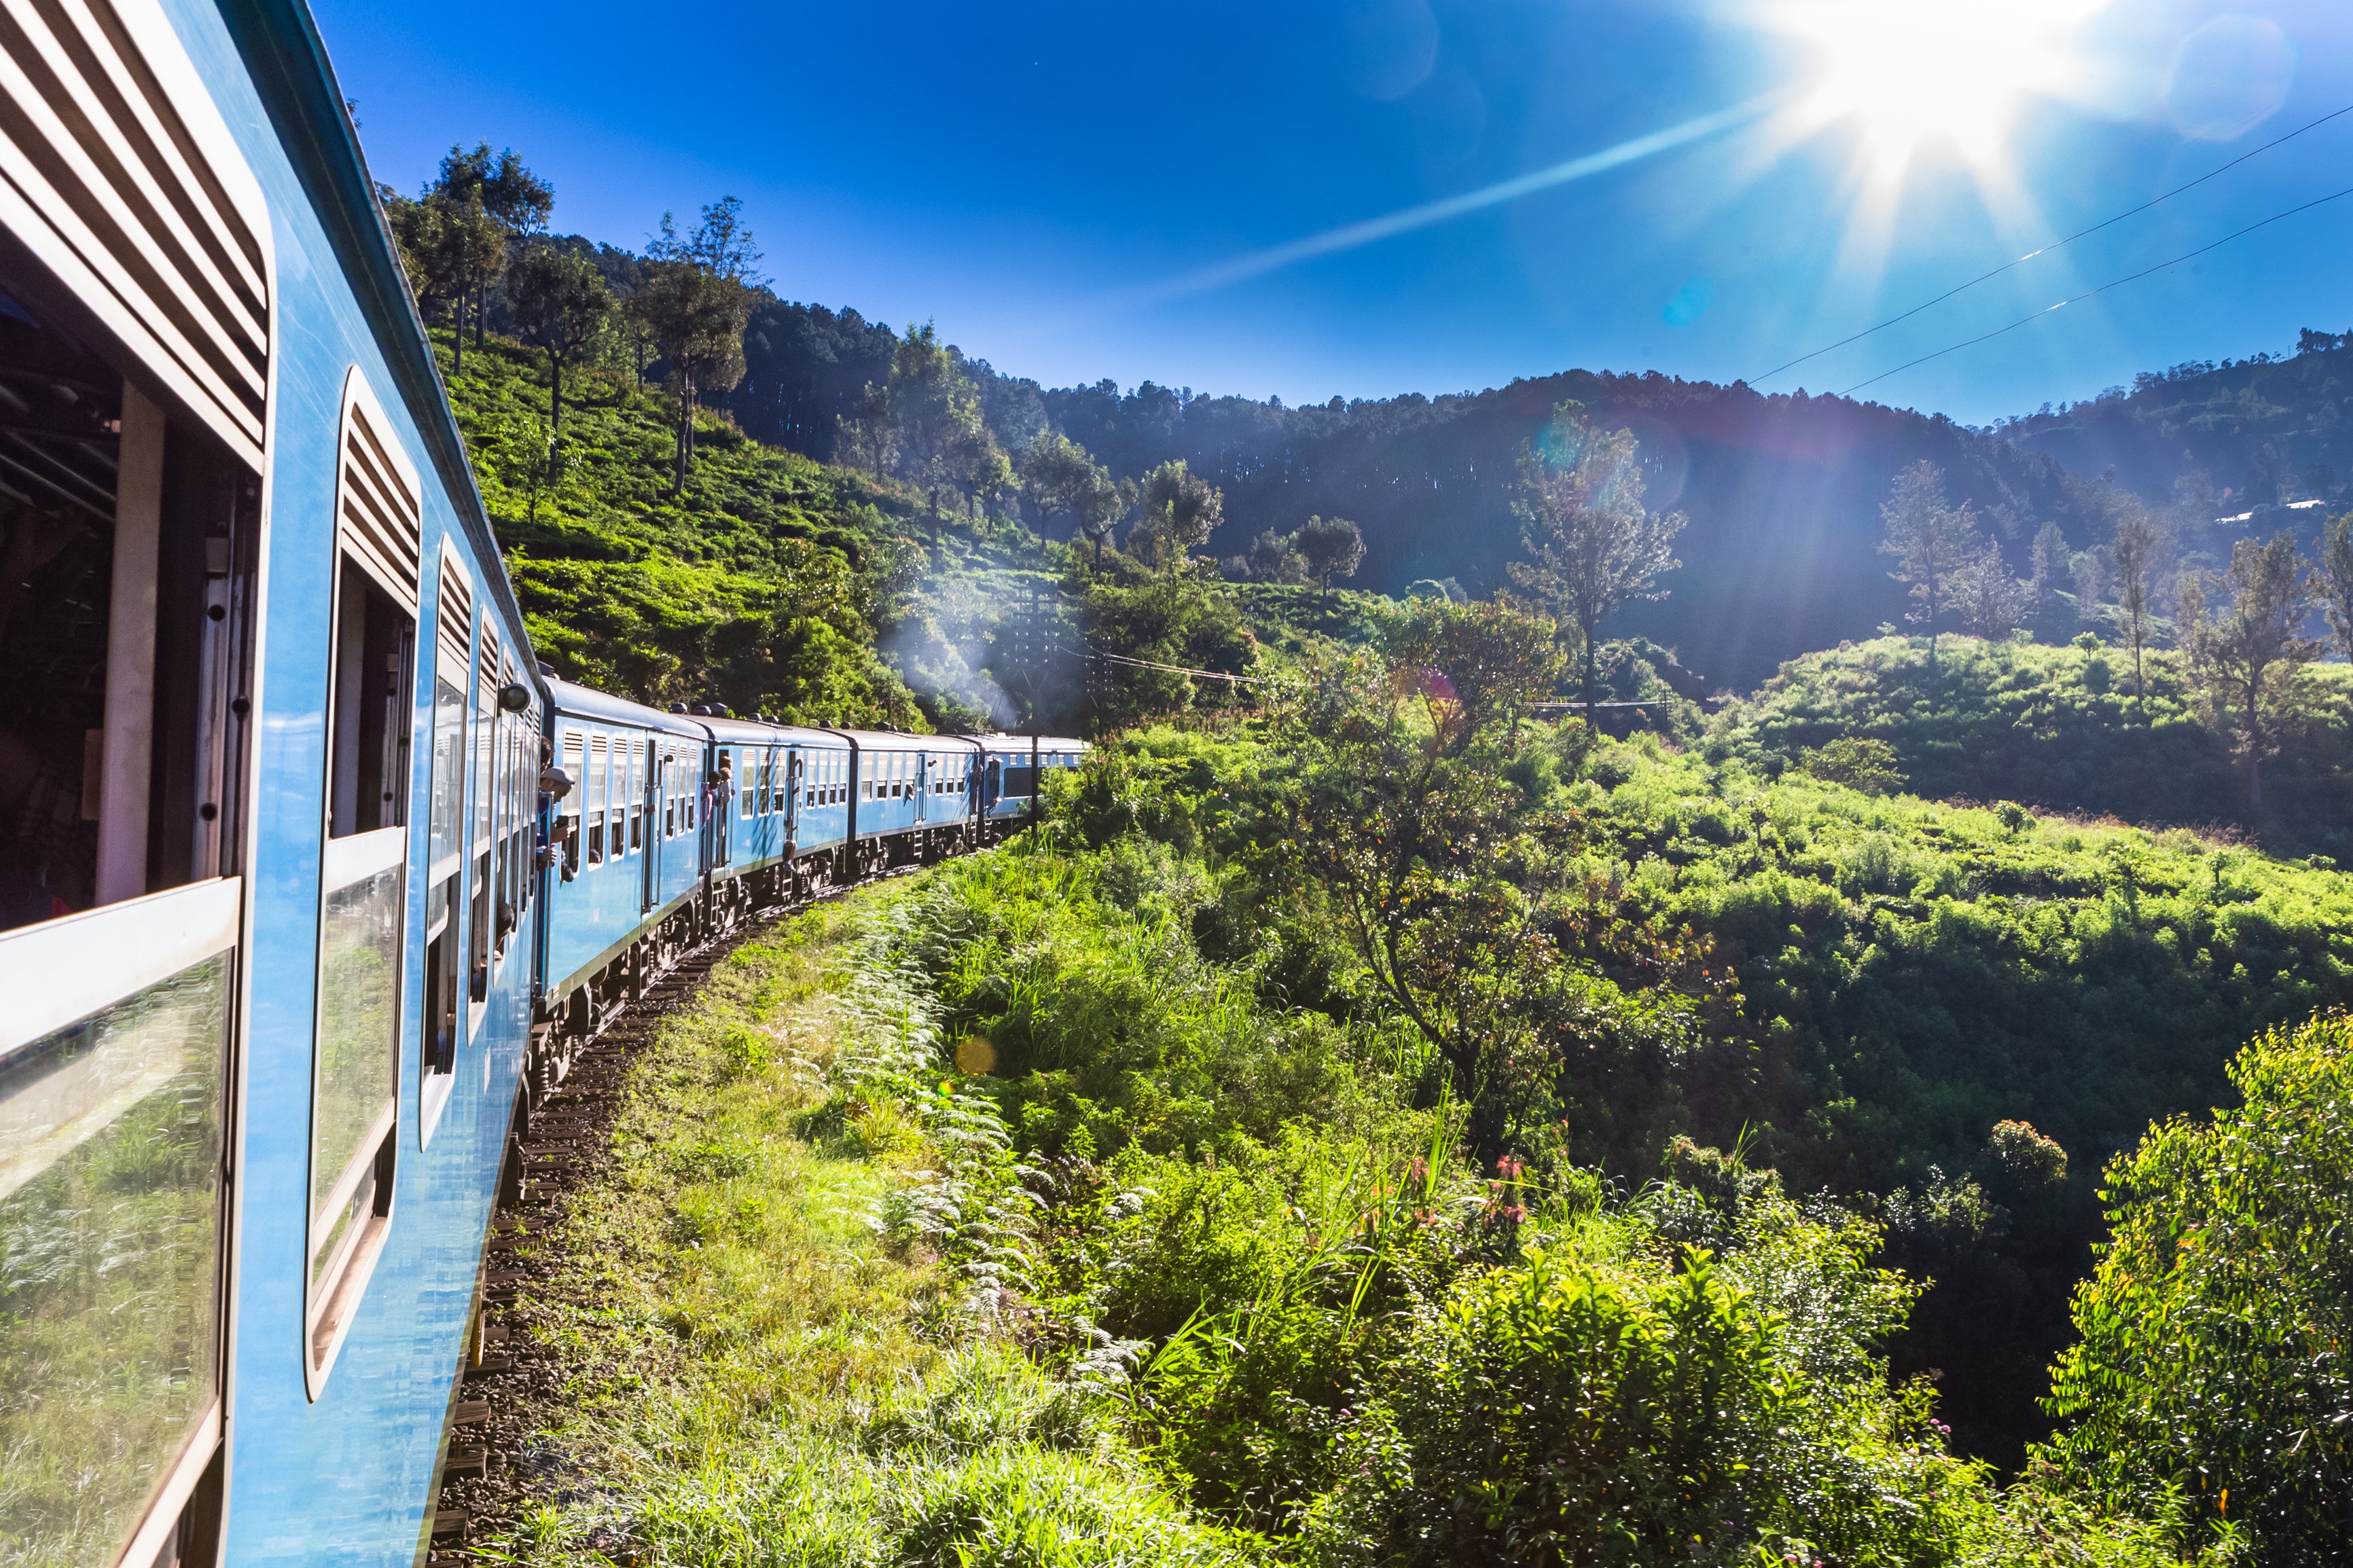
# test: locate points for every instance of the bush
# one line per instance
(1856, 761)
(2213, 1360)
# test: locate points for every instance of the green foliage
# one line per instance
(763, 585)
(2050, 727)
(2212, 1363)
(1857, 762)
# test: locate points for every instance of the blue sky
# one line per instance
(1081, 190)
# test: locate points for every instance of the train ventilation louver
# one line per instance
(453, 623)
(376, 500)
(120, 176)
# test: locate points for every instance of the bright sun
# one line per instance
(1909, 74)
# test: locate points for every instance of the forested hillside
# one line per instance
(2262, 431)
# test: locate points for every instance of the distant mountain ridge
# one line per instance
(1782, 489)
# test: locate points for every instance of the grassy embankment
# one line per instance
(984, 1219)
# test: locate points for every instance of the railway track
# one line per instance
(490, 1460)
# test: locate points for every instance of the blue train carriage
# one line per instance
(625, 861)
(755, 856)
(269, 737)
(821, 777)
(912, 804)
(1007, 786)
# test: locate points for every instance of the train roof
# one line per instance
(743, 731)
(588, 702)
(1006, 742)
(898, 740)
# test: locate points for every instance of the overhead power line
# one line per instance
(2054, 245)
(2113, 283)
(1176, 669)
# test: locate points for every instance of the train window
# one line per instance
(575, 767)
(636, 794)
(448, 816)
(594, 806)
(479, 845)
(754, 786)
(364, 869)
(617, 802)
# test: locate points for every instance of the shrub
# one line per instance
(2213, 1359)
(1856, 761)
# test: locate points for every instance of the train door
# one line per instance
(649, 798)
(796, 772)
(722, 789)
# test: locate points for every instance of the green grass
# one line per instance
(772, 1357)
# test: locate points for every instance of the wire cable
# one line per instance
(2116, 283)
(1176, 669)
(2054, 245)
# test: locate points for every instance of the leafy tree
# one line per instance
(1593, 547)
(1106, 510)
(510, 194)
(2133, 551)
(924, 424)
(2333, 580)
(1059, 476)
(561, 304)
(1332, 547)
(2212, 1364)
(1408, 820)
(2048, 566)
(720, 243)
(1179, 510)
(695, 320)
(992, 478)
(453, 250)
(2089, 569)
(2246, 649)
(1983, 590)
(1931, 540)
(1274, 557)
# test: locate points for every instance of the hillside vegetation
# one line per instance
(855, 1291)
(764, 583)
(2061, 730)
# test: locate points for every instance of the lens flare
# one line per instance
(1910, 75)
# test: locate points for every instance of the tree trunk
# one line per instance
(554, 395)
(2255, 754)
(458, 339)
(685, 432)
(1589, 662)
(481, 310)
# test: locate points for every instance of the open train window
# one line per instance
(568, 825)
(482, 845)
(638, 749)
(617, 815)
(446, 832)
(599, 763)
(363, 882)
